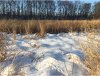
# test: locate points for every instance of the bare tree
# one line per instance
(97, 10)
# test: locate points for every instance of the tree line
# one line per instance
(48, 9)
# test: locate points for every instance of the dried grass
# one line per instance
(92, 54)
(2, 47)
(49, 26)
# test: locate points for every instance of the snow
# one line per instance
(54, 55)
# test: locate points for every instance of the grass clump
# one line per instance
(92, 54)
(2, 47)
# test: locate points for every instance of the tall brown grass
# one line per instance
(2, 47)
(92, 54)
(51, 26)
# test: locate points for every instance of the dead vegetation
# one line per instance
(2, 47)
(92, 54)
(49, 26)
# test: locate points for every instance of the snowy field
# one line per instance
(54, 55)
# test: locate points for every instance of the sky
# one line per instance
(90, 0)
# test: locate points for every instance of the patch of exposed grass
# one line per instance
(2, 47)
(92, 54)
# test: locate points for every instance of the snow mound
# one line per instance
(54, 55)
(49, 65)
(73, 58)
(8, 71)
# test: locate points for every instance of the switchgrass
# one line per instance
(92, 54)
(47, 26)
(2, 47)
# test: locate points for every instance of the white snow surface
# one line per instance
(53, 55)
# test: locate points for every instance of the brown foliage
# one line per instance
(49, 26)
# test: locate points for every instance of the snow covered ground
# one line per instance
(54, 55)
